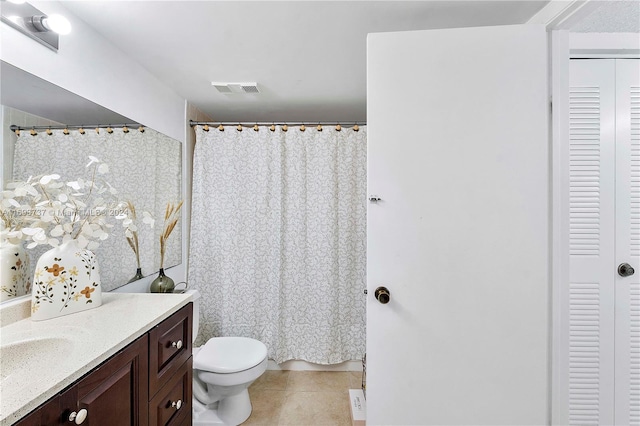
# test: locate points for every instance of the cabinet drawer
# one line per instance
(176, 392)
(169, 347)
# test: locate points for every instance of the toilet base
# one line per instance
(231, 411)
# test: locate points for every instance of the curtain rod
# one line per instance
(276, 123)
(13, 127)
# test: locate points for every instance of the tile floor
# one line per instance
(302, 398)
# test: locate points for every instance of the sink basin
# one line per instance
(28, 355)
(16, 355)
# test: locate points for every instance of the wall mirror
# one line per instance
(144, 167)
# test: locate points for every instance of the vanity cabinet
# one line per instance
(170, 370)
(147, 383)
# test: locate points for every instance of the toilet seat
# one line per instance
(224, 355)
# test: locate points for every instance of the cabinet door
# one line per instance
(53, 412)
(116, 393)
(170, 346)
(172, 404)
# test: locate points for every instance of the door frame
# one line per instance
(564, 47)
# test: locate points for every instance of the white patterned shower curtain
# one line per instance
(278, 239)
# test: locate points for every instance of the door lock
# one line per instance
(625, 270)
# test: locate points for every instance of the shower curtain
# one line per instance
(278, 239)
(143, 167)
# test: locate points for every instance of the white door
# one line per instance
(627, 289)
(600, 325)
(458, 153)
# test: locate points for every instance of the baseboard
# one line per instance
(297, 365)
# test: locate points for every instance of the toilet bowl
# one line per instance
(223, 370)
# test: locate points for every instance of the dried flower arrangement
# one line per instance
(171, 217)
(46, 210)
(131, 228)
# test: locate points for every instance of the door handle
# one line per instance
(625, 270)
(382, 295)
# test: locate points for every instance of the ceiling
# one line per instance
(611, 17)
(308, 57)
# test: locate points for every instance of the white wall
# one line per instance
(19, 118)
(90, 66)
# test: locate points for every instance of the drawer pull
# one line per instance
(177, 404)
(78, 417)
(177, 345)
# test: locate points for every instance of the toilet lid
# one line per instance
(229, 355)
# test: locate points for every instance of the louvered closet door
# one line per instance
(590, 292)
(627, 289)
(601, 319)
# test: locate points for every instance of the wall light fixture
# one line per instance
(35, 24)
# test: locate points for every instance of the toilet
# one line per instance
(223, 369)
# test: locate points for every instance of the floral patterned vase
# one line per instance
(14, 271)
(66, 281)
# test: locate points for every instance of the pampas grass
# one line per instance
(171, 217)
(132, 237)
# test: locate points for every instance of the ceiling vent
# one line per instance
(236, 87)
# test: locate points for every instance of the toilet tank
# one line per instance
(195, 298)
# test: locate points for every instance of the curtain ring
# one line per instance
(141, 129)
(221, 127)
(239, 127)
(356, 128)
(125, 129)
(205, 127)
(319, 127)
(338, 127)
(17, 132)
(285, 128)
(303, 127)
(255, 127)
(97, 130)
(272, 128)
(49, 132)
(66, 131)
(81, 130)
(33, 132)
(109, 129)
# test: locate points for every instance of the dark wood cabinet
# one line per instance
(116, 393)
(146, 383)
(172, 404)
(171, 370)
(169, 347)
(56, 411)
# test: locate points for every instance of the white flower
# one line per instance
(48, 178)
(46, 209)
(148, 219)
(92, 160)
(74, 185)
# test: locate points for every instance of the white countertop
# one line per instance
(76, 344)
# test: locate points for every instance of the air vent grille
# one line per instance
(222, 88)
(238, 88)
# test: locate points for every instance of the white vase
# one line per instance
(14, 271)
(66, 281)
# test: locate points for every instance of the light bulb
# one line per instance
(57, 23)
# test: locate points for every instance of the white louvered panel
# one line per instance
(634, 335)
(584, 171)
(584, 354)
(635, 171)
